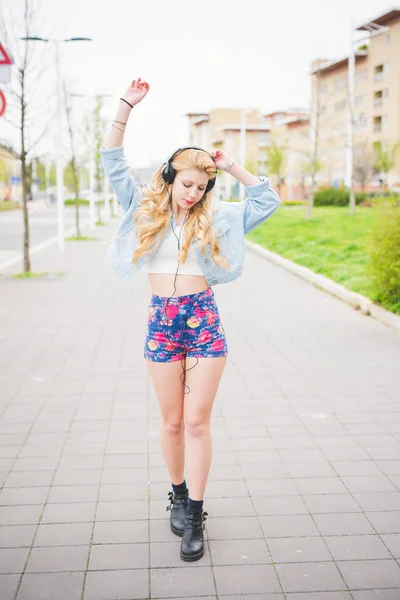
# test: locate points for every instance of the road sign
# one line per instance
(2, 103)
(4, 58)
(5, 66)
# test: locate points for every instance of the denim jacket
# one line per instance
(231, 221)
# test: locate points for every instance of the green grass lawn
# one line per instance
(333, 243)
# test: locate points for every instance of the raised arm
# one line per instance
(260, 199)
(113, 155)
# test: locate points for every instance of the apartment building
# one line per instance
(376, 104)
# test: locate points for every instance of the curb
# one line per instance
(359, 302)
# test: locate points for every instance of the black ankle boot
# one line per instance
(192, 546)
(178, 506)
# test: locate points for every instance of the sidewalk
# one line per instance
(304, 492)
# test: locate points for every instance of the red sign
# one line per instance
(2, 103)
(4, 58)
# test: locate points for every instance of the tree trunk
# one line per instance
(24, 174)
(27, 262)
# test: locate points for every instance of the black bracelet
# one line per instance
(128, 103)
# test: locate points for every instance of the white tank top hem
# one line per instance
(165, 260)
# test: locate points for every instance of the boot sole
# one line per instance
(192, 557)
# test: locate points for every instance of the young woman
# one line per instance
(188, 243)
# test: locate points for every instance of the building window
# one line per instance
(340, 105)
(388, 39)
(378, 101)
(381, 71)
(377, 124)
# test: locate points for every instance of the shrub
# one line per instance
(331, 196)
(384, 252)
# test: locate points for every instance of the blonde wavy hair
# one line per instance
(153, 215)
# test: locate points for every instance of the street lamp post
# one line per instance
(58, 144)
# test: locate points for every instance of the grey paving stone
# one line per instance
(357, 547)
(239, 552)
(288, 526)
(121, 584)
(184, 582)
(310, 577)
(127, 510)
(119, 556)
(320, 485)
(124, 492)
(119, 532)
(300, 470)
(280, 505)
(265, 471)
(58, 558)
(246, 579)
(385, 522)
(343, 524)
(12, 560)
(331, 503)
(23, 496)
(233, 528)
(64, 534)
(272, 487)
(71, 512)
(8, 586)
(383, 594)
(75, 477)
(235, 507)
(47, 586)
(300, 549)
(27, 479)
(371, 574)
(392, 542)
(17, 536)
(20, 515)
(380, 501)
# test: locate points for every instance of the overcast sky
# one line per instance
(195, 55)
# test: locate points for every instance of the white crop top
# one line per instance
(165, 260)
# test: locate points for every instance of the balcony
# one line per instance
(377, 127)
(378, 102)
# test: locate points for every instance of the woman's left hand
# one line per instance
(221, 159)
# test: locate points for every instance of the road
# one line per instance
(42, 226)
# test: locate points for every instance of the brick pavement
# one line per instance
(303, 495)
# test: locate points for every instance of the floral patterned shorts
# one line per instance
(184, 326)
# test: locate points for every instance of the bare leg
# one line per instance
(169, 390)
(203, 381)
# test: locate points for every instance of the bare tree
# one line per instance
(314, 163)
(27, 72)
(362, 164)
